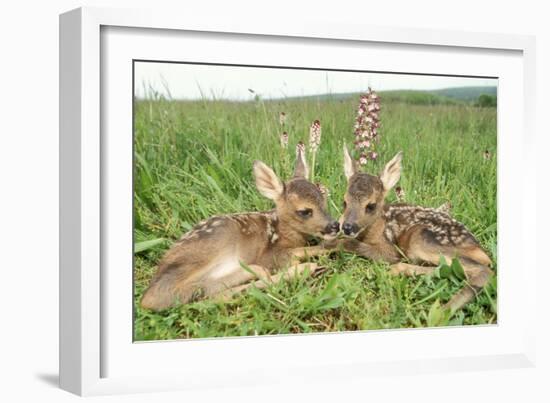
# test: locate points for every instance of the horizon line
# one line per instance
(253, 94)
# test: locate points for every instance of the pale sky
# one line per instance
(187, 81)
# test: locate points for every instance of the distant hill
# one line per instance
(466, 93)
(445, 96)
(418, 98)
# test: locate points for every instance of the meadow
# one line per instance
(193, 159)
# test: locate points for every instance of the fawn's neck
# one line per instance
(374, 233)
(288, 237)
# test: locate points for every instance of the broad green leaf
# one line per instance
(434, 314)
(457, 269)
(437, 272)
(438, 316)
(146, 245)
(445, 271)
(332, 303)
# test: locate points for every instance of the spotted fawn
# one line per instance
(397, 232)
(226, 254)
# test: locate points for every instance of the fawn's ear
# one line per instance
(267, 182)
(349, 165)
(301, 170)
(391, 172)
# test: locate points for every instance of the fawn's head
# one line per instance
(299, 203)
(364, 199)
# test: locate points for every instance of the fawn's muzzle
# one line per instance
(331, 228)
(350, 229)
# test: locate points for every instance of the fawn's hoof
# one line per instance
(398, 268)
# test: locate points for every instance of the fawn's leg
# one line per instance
(383, 250)
(410, 269)
(291, 272)
(420, 246)
(299, 254)
(478, 276)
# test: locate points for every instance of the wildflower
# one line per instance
(367, 123)
(284, 140)
(314, 136)
(282, 118)
(314, 141)
(363, 144)
(400, 193)
(300, 148)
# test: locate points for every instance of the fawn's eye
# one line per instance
(345, 205)
(305, 213)
(370, 207)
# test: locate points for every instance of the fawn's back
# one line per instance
(222, 242)
(444, 229)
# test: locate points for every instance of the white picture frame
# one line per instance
(96, 354)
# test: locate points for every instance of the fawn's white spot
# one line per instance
(188, 236)
(271, 232)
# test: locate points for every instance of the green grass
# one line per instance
(194, 160)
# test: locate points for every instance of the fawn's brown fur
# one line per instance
(391, 232)
(220, 254)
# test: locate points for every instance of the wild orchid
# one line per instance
(367, 123)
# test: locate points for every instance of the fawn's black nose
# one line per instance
(332, 228)
(349, 228)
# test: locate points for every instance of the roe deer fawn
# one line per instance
(386, 232)
(207, 261)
